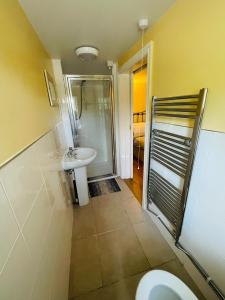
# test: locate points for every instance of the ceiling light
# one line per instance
(87, 53)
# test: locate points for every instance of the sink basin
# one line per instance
(80, 157)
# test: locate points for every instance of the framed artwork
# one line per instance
(52, 95)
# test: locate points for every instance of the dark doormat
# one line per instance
(103, 187)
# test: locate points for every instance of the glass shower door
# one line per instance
(92, 111)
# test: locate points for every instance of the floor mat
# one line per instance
(103, 187)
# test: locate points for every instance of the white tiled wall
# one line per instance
(204, 223)
(35, 223)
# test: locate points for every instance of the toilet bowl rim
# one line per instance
(159, 277)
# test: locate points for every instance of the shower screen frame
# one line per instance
(73, 119)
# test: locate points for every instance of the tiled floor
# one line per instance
(114, 244)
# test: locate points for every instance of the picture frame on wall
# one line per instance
(50, 84)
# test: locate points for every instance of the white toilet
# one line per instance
(162, 285)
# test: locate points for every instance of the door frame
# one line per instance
(131, 124)
(126, 68)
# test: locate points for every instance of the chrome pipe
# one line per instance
(160, 219)
(163, 132)
(166, 207)
(170, 144)
(197, 265)
(166, 211)
(173, 197)
(170, 166)
(161, 150)
(175, 116)
(170, 218)
(170, 204)
(176, 104)
(177, 97)
(162, 146)
(166, 182)
(169, 160)
(202, 271)
(163, 137)
(176, 109)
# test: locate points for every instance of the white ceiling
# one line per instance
(110, 25)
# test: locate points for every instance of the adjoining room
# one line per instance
(138, 107)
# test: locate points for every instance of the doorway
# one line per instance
(139, 61)
(138, 114)
(91, 116)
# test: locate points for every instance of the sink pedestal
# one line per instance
(77, 159)
(82, 185)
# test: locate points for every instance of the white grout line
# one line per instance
(32, 206)
(20, 227)
(9, 253)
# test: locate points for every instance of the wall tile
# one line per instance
(35, 228)
(17, 276)
(8, 227)
(204, 221)
(22, 181)
(38, 265)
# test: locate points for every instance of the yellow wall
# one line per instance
(189, 53)
(139, 90)
(25, 113)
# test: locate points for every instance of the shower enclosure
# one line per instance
(90, 104)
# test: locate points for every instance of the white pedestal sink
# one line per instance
(78, 159)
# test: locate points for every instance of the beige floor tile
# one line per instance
(176, 268)
(104, 201)
(85, 269)
(85, 278)
(155, 247)
(114, 244)
(121, 255)
(122, 290)
(109, 213)
(84, 251)
(84, 222)
(111, 199)
(134, 210)
(95, 295)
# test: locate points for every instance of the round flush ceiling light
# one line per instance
(87, 53)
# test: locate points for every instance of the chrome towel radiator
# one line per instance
(174, 152)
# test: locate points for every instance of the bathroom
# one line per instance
(71, 225)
